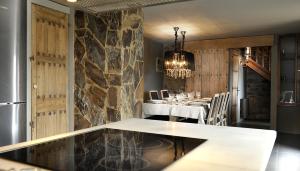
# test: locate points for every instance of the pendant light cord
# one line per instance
(183, 39)
(176, 38)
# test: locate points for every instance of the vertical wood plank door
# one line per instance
(211, 74)
(48, 72)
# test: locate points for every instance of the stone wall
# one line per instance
(109, 62)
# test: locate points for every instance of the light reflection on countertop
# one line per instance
(7, 165)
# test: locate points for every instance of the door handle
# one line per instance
(34, 86)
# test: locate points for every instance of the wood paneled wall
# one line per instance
(211, 72)
(237, 42)
(212, 62)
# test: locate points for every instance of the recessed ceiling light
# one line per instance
(72, 0)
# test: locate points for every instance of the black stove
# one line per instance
(107, 149)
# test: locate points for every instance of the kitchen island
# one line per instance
(225, 148)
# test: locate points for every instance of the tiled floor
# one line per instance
(286, 153)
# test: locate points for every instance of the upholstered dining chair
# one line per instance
(213, 110)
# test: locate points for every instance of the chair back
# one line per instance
(153, 95)
(219, 112)
(225, 109)
(164, 94)
(213, 108)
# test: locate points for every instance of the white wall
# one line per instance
(153, 80)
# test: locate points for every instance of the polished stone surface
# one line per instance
(285, 154)
(226, 148)
(107, 149)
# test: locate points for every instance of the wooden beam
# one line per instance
(258, 69)
(238, 42)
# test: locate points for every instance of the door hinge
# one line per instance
(31, 123)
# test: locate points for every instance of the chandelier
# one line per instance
(246, 55)
(177, 65)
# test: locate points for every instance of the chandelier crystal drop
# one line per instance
(177, 66)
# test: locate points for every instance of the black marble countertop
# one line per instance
(106, 149)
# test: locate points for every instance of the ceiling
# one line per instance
(210, 19)
(96, 6)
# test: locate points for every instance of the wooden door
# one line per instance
(211, 73)
(49, 72)
(235, 58)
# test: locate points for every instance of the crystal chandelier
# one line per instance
(177, 66)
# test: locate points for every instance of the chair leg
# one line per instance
(224, 122)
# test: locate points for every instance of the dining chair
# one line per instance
(153, 95)
(213, 109)
(225, 110)
(164, 94)
(219, 110)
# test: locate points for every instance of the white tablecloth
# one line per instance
(156, 109)
(194, 112)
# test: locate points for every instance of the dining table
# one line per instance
(193, 109)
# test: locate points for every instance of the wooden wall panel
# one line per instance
(223, 58)
(205, 55)
(211, 72)
(49, 72)
(205, 77)
(237, 42)
(198, 68)
(220, 48)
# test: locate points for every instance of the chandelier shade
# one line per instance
(179, 64)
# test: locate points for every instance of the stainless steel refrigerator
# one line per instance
(12, 71)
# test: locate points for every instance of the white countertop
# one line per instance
(226, 148)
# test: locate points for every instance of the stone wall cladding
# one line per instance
(109, 67)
